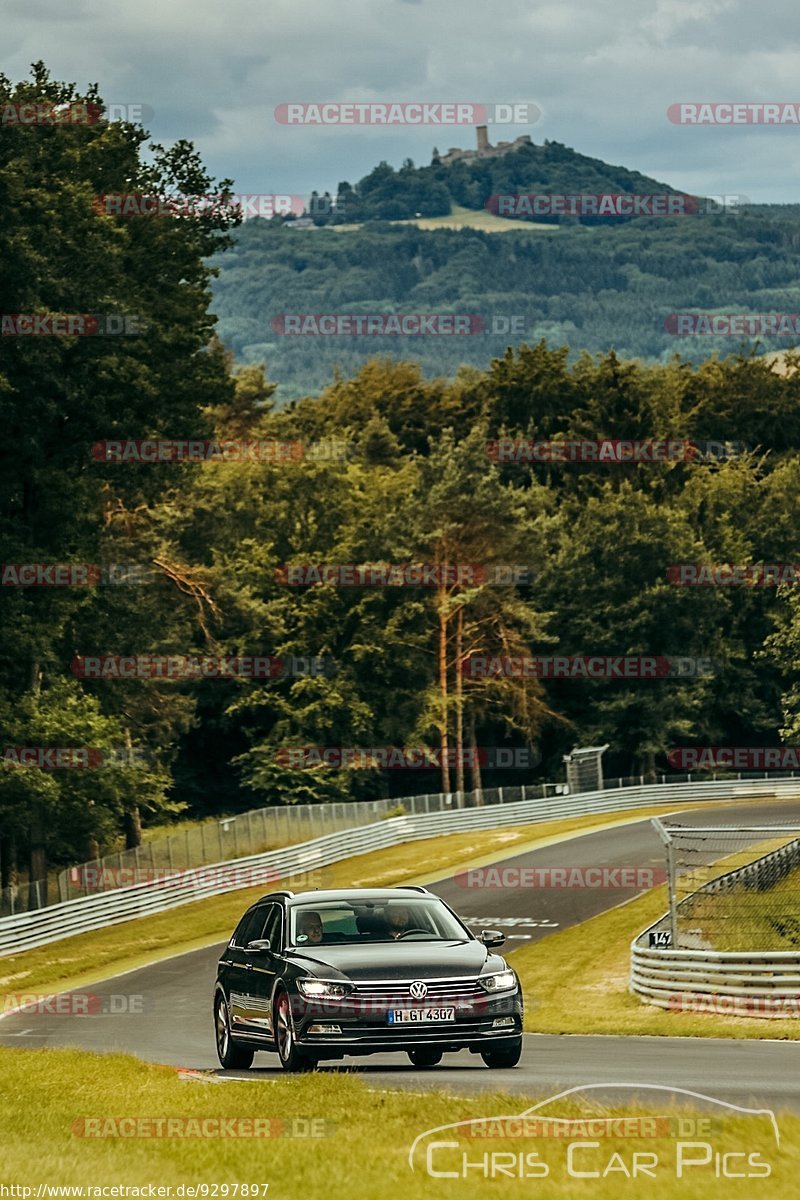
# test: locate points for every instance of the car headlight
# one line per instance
(502, 981)
(322, 989)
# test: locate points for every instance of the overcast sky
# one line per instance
(603, 75)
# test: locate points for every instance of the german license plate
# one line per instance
(413, 1016)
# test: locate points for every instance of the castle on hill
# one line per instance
(485, 149)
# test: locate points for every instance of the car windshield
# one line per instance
(379, 919)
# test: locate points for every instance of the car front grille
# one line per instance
(397, 994)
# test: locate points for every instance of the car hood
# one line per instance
(403, 960)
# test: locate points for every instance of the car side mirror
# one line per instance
(259, 946)
(492, 937)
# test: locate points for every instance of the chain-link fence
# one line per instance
(731, 888)
(226, 838)
(257, 830)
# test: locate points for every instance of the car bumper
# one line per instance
(327, 1033)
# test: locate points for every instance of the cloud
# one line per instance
(604, 76)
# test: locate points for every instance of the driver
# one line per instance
(398, 918)
(309, 926)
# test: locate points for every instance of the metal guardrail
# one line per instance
(734, 983)
(41, 927)
(220, 839)
(730, 982)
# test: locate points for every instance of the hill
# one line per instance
(591, 283)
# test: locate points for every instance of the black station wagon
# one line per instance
(322, 974)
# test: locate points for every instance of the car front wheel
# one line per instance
(291, 1058)
(503, 1056)
(232, 1056)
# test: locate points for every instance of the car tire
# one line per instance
(425, 1056)
(503, 1056)
(232, 1056)
(291, 1058)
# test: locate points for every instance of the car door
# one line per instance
(262, 970)
(239, 968)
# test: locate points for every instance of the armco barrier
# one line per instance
(43, 926)
(729, 982)
(740, 983)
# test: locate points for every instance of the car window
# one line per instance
(365, 920)
(272, 926)
(250, 927)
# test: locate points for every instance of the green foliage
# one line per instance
(586, 288)
(414, 484)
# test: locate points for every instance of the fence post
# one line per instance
(673, 900)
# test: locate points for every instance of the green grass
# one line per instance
(741, 919)
(89, 957)
(577, 982)
(47, 1095)
(464, 218)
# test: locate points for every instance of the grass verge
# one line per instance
(577, 982)
(48, 1097)
(464, 218)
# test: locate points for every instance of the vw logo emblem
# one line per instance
(418, 989)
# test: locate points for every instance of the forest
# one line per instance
(185, 556)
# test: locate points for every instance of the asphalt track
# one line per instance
(162, 1012)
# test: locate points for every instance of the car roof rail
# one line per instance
(269, 895)
(412, 887)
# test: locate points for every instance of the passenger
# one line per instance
(398, 919)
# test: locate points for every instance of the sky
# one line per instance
(602, 74)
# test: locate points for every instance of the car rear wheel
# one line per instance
(425, 1056)
(291, 1058)
(503, 1056)
(231, 1056)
